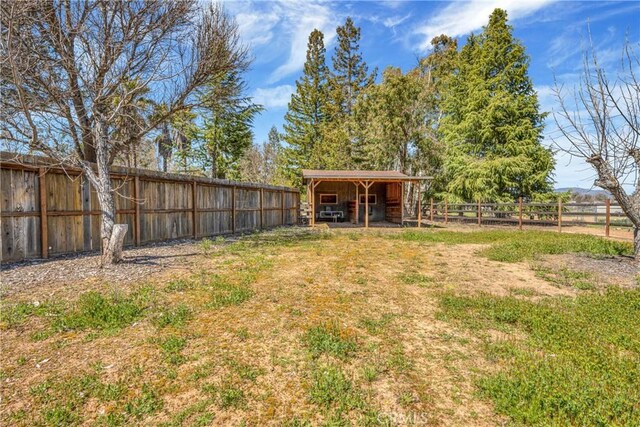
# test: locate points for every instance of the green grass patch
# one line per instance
(565, 277)
(96, 311)
(60, 401)
(147, 403)
(330, 387)
(578, 365)
(329, 338)
(414, 278)
(376, 325)
(514, 246)
(12, 315)
(225, 293)
(172, 347)
(176, 317)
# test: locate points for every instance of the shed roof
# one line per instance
(359, 174)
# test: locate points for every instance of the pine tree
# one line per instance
(307, 111)
(493, 126)
(350, 76)
(226, 133)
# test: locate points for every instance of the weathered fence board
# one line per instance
(65, 213)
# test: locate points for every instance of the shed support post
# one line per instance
(44, 229)
(366, 205)
(312, 203)
(357, 208)
(607, 221)
(401, 184)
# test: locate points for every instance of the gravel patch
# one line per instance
(139, 263)
(612, 270)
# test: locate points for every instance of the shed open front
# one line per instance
(358, 197)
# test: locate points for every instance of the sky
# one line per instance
(397, 33)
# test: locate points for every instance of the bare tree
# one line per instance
(601, 121)
(73, 70)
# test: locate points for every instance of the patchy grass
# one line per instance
(510, 246)
(414, 278)
(172, 347)
(173, 316)
(376, 325)
(96, 311)
(300, 327)
(565, 277)
(12, 315)
(329, 338)
(578, 364)
(330, 387)
(224, 293)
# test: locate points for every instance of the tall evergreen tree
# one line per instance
(493, 126)
(349, 79)
(307, 112)
(226, 133)
(350, 74)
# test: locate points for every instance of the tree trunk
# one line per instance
(111, 242)
(112, 252)
(636, 243)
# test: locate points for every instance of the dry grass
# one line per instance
(288, 327)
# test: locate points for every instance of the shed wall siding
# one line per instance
(346, 192)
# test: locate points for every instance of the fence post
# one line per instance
(446, 210)
(520, 213)
(44, 226)
(233, 209)
(261, 207)
(607, 221)
(194, 213)
(479, 213)
(282, 206)
(419, 206)
(431, 209)
(559, 215)
(136, 196)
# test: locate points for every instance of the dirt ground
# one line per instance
(351, 277)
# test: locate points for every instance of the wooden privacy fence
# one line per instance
(519, 213)
(47, 210)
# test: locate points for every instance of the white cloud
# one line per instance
(393, 21)
(299, 19)
(458, 19)
(274, 97)
(256, 27)
(282, 28)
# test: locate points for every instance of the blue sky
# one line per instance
(555, 34)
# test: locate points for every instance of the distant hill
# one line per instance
(583, 191)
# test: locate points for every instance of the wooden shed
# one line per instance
(357, 196)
